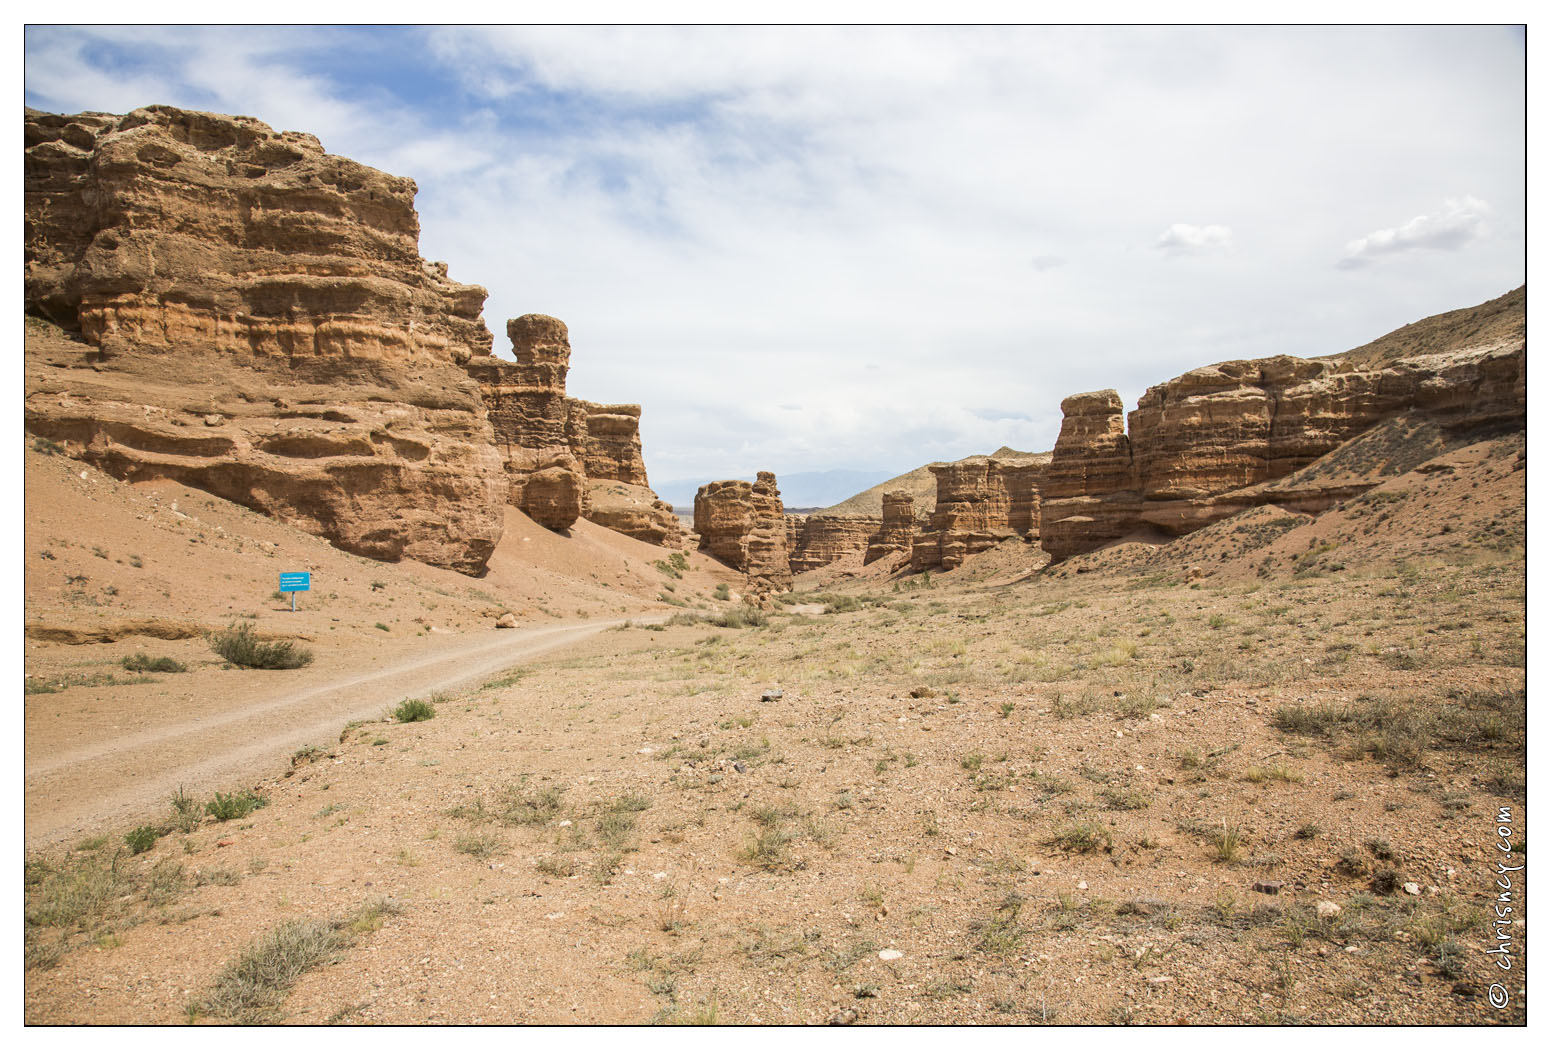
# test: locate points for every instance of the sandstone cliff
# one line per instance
(896, 531)
(567, 458)
(1204, 445)
(743, 525)
(822, 539)
(257, 322)
(981, 501)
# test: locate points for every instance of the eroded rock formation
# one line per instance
(531, 418)
(896, 532)
(1204, 445)
(824, 539)
(981, 501)
(567, 458)
(257, 322)
(743, 525)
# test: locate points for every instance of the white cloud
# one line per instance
(1185, 239)
(1460, 221)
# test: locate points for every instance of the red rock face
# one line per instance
(744, 525)
(895, 534)
(1203, 446)
(259, 324)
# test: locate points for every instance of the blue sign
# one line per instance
(295, 581)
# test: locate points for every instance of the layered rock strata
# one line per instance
(567, 458)
(743, 525)
(1203, 446)
(823, 539)
(257, 322)
(981, 501)
(896, 532)
(531, 417)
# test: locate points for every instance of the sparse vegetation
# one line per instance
(236, 805)
(240, 645)
(414, 710)
(140, 662)
(253, 987)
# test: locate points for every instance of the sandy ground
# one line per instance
(1140, 787)
(240, 740)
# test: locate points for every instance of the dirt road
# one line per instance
(125, 775)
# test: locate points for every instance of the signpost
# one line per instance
(294, 582)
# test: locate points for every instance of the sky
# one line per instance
(804, 249)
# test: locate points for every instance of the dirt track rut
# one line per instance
(128, 777)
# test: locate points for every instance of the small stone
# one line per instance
(739, 767)
(1082, 885)
(844, 1016)
(951, 850)
(1267, 887)
(770, 695)
(887, 955)
(213, 420)
(1411, 888)
(506, 620)
(224, 842)
(1327, 910)
(1159, 979)
(648, 750)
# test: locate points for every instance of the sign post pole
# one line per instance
(294, 582)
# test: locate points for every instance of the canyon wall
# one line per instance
(1204, 445)
(256, 321)
(743, 525)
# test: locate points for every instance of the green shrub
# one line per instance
(238, 804)
(414, 711)
(142, 839)
(140, 662)
(239, 645)
(186, 812)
